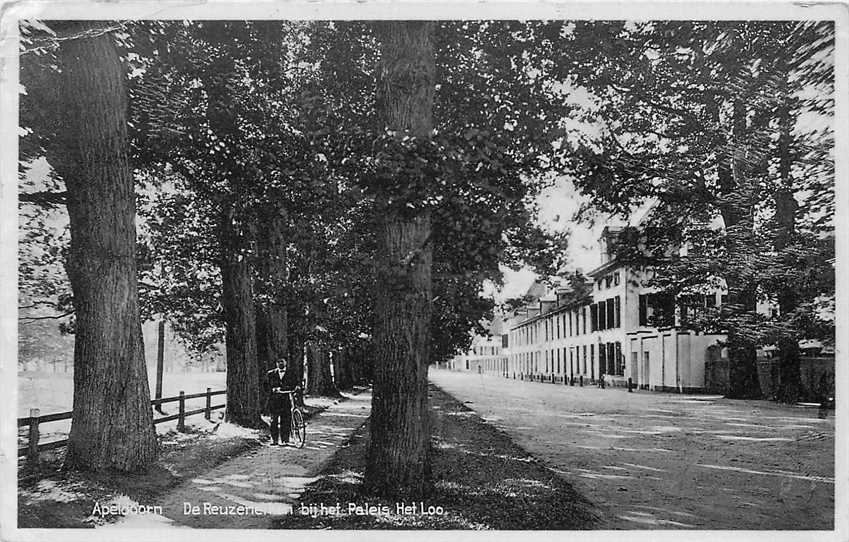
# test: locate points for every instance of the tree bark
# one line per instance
(790, 386)
(738, 215)
(341, 369)
(398, 462)
(243, 383)
(319, 379)
(244, 394)
(272, 332)
(296, 349)
(112, 425)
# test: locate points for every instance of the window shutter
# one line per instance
(593, 317)
(618, 312)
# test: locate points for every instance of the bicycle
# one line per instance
(298, 426)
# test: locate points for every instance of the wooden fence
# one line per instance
(35, 419)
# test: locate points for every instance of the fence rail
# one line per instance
(34, 420)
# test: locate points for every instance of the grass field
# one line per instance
(54, 392)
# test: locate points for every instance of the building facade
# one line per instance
(484, 356)
(615, 328)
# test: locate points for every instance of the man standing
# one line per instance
(279, 381)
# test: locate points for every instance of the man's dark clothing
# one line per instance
(279, 405)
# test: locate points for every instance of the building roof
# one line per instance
(605, 268)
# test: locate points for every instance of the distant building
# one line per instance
(484, 356)
(614, 328)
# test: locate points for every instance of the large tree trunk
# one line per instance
(296, 344)
(243, 383)
(357, 365)
(244, 394)
(790, 386)
(398, 462)
(739, 225)
(736, 207)
(319, 377)
(112, 425)
(341, 369)
(272, 333)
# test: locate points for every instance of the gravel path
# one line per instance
(657, 460)
(269, 479)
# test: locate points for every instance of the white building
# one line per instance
(484, 356)
(614, 327)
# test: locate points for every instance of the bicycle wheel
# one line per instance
(299, 429)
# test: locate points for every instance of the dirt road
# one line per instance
(656, 460)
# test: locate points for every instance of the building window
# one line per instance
(570, 323)
(584, 349)
(618, 311)
(611, 318)
(592, 359)
(602, 315)
(602, 360)
(607, 280)
(656, 310)
(620, 359)
(584, 318)
(616, 278)
(593, 317)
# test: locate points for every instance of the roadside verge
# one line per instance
(482, 481)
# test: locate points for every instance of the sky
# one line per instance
(557, 206)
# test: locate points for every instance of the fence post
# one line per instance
(208, 413)
(160, 360)
(181, 421)
(32, 449)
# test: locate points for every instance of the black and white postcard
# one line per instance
(574, 269)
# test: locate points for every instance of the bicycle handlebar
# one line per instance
(286, 391)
